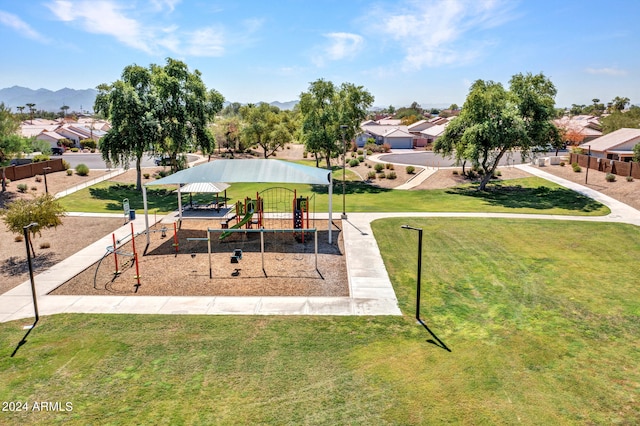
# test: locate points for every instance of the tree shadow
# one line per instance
(17, 265)
(7, 198)
(157, 198)
(539, 198)
(351, 187)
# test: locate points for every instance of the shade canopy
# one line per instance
(205, 187)
(253, 170)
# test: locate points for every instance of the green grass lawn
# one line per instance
(528, 195)
(542, 318)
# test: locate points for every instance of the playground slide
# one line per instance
(240, 224)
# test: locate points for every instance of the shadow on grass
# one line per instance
(351, 187)
(539, 198)
(157, 198)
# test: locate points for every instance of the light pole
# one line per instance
(33, 286)
(586, 176)
(419, 267)
(44, 171)
(343, 127)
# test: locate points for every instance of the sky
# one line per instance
(403, 51)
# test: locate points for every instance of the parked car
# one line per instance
(162, 161)
(57, 151)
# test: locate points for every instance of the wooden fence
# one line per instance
(620, 168)
(32, 169)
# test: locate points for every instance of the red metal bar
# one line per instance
(115, 254)
(175, 236)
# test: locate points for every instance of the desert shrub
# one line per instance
(82, 169)
(391, 175)
(382, 176)
(305, 154)
(369, 152)
(353, 155)
(354, 163)
(359, 152)
(610, 177)
(629, 178)
(497, 173)
(41, 157)
(378, 167)
(471, 174)
(66, 164)
(455, 173)
(69, 172)
(88, 143)
(562, 164)
(361, 158)
(34, 188)
(146, 175)
(389, 166)
(22, 187)
(386, 147)
(18, 238)
(66, 143)
(74, 149)
(371, 175)
(410, 170)
(45, 245)
(576, 167)
(38, 179)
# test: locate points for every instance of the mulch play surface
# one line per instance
(289, 265)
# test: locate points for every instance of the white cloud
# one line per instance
(204, 42)
(430, 33)
(12, 21)
(614, 72)
(162, 4)
(340, 46)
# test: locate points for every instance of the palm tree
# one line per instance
(31, 110)
(21, 109)
(64, 109)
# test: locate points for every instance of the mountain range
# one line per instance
(76, 100)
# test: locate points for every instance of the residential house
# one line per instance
(396, 136)
(583, 127)
(616, 145)
(52, 137)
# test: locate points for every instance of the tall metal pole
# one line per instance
(46, 187)
(33, 285)
(343, 127)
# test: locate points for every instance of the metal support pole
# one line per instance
(46, 187)
(586, 177)
(33, 285)
(419, 273)
(343, 127)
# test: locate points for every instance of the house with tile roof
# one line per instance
(616, 145)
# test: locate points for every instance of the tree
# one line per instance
(185, 111)
(263, 126)
(621, 119)
(619, 104)
(10, 142)
(324, 108)
(32, 109)
(636, 153)
(130, 104)
(64, 109)
(45, 210)
(495, 121)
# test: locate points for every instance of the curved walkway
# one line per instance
(371, 292)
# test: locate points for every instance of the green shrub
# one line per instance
(40, 157)
(391, 175)
(562, 164)
(66, 164)
(389, 166)
(410, 170)
(497, 173)
(146, 175)
(359, 152)
(74, 149)
(354, 163)
(82, 169)
(381, 176)
(369, 152)
(88, 143)
(610, 177)
(576, 167)
(22, 187)
(361, 158)
(629, 178)
(305, 154)
(471, 174)
(378, 167)
(455, 172)
(69, 172)
(371, 175)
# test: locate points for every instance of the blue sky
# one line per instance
(401, 51)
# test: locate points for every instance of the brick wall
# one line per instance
(33, 169)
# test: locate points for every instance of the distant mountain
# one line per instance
(285, 105)
(48, 100)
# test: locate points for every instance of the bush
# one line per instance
(74, 149)
(38, 179)
(455, 172)
(629, 178)
(471, 174)
(22, 187)
(378, 167)
(497, 173)
(386, 147)
(88, 143)
(146, 175)
(305, 154)
(34, 188)
(41, 157)
(562, 164)
(410, 170)
(371, 175)
(69, 172)
(391, 175)
(361, 158)
(82, 169)
(610, 177)
(576, 167)
(388, 166)
(359, 152)
(66, 164)
(45, 245)
(18, 238)
(381, 176)
(354, 163)
(369, 152)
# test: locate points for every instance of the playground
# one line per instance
(267, 245)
